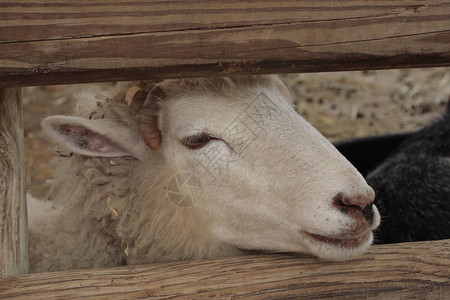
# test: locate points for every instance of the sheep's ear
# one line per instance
(101, 138)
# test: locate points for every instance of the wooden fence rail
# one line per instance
(401, 271)
(54, 42)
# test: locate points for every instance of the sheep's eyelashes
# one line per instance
(197, 141)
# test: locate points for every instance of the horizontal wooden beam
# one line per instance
(54, 42)
(400, 271)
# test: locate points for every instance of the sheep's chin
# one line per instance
(337, 249)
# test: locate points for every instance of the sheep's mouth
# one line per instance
(340, 242)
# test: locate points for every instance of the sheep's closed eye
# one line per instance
(197, 141)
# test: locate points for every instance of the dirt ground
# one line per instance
(341, 105)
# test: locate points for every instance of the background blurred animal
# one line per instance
(412, 187)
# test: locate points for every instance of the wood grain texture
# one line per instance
(401, 271)
(53, 42)
(13, 213)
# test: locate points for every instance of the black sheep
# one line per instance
(412, 187)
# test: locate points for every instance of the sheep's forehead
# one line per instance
(213, 104)
(206, 112)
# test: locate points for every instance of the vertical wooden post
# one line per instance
(13, 210)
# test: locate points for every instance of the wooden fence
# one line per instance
(55, 42)
(401, 271)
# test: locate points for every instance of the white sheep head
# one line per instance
(265, 178)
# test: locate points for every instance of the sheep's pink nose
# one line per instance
(355, 206)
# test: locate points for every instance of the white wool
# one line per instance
(268, 195)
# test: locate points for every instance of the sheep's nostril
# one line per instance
(355, 207)
(368, 213)
(344, 204)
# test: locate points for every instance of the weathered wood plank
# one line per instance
(401, 271)
(52, 42)
(13, 213)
